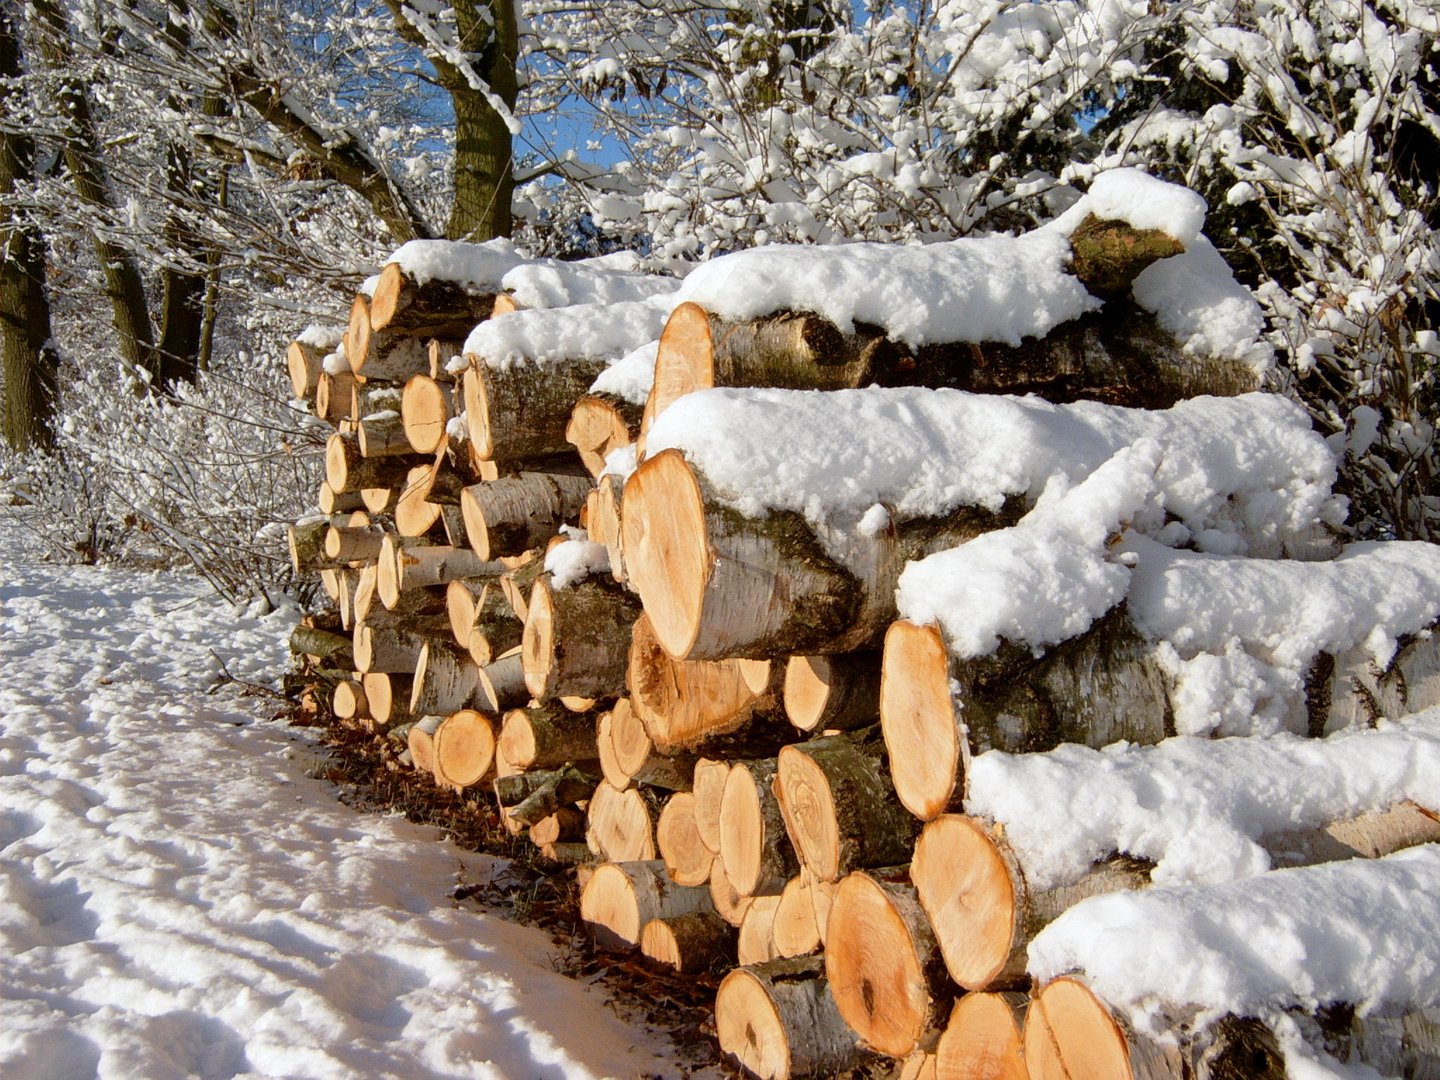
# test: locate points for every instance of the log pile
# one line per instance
(719, 717)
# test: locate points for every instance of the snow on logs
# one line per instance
(811, 845)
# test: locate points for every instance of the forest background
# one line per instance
(186, 185)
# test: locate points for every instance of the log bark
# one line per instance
(511, 515)
(621, 824)
(621, 897)
(840, 693)
(446, 679)
(325, 648)
(354, 543)
(689, 944)
(405, 565)
(687, 860)
(753, 845)
(839, 807)
(346, 469)
(435, 308)
(396, 646)
(983, 1039)
(464, 749)
(331, 502)
(545, 736)
(384, 356)
(332, 395)
(501, 683)
(531, 797)
(388, 696)
(599, 424)
(690, 704)
(577, 639)
(883, 962)
(779, 1019)
(716, 584)
(382, 434)
(520, 413)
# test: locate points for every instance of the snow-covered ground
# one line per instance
(179, 899)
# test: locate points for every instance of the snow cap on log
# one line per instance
(599, 331)
(480, 267)
(1286, 939)
(631, 376)
(1068, 808)
(608, 279)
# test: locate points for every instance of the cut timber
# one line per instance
(577, 639)
(753, 845)
(504, 305)
(519, 413)
(429, 491)
(716, 584)
(794, 929)
(396, 646)
(1099, 688)
(332, 395)
(598, 424)
(348, 701)
(441, 353)
(388, 696)
(621, 897)
(621, 824)
(689, 944)
(424, 412)
(840, 808)
(686, 704)
(531, 797)
(446, 679)
(839, 692)
(604, 522)
(328, 649)
(918, 1066)
(546, 735)
(405, 565)
(420, 740)
(708, 787)
(465, 599)
(331, 501)
(982, 1041)
(501, 683)
(883, 963)
(565, 826)
(382, 435)
(387, 357)
(518, 581)
(729, 903)
(306, 540)
(1069, 1032)
(432, 308)
(779, 1019)
(756, 944)
(304, 363)
(687, 860)
(346, 469)
(464, 749)
(511, 515)
(633, 758)
(354, 543)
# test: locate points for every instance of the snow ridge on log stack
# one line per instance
(801, 690)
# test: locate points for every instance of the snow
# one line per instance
(1360, 931)
(1145, 202)
(551, 283)
(586, 331)
(631, 376)
(575, 559)
(479, 267)
(1245, 473)
(178, 898)
(1198, 808)
(995, 288)
(321, 337)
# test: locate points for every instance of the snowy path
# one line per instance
(177, 897)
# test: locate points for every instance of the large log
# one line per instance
(983, 1039)
(511, 515)
(395, 646)
(779, 1019)
(716, 584)
(434, 308)
(620, 898)
(883, 962)
(520, 412)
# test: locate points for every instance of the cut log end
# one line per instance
(684, 361)
(464, 749)
(1069, 1032)
(667, 552)
(749, 1026)
(918, 719)
(966, 890)
(982, 1041)
(425, 410)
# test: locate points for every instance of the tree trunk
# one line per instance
(577, 639)
(511, 515)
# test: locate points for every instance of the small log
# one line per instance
(333, 502)
(388, 696)
(566, 854)
(425, 412)
(518, 581)
(716, 584)
(442, 352)
(545, 736)
(708, 786)
(519, 413)
(688, 704)
(729, 903)
(501, 683)
(779, 1019)
(346, 469)
(429, 495)
(883, 962)
(382, 434)
(304, 362)
(604, 523)
(565, 826)
(983, 1039)
(794, 929)
(511, 515)
(839, 807)
(384, 355)
(689, 944)
(405, 565)
(756, 943)
(332, 395)
(531, 797)
(629, 757)
(354, 543)
(598, 424)
(687, 860)
(348, 701)
(622, 897)
(306, 541)
(464, 749)
(379, 500)
(446, 679)
(420, 741)
(840, 693)
(577, 639)
(396, 646)
(920, 1065)
(325, 648)
(621, 825)
(435, 308)
(753, 845)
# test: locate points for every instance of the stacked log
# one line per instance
(722, 711)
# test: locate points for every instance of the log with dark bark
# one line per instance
(577, 639)
(347, 469)
(519, 413)
(532, 796)
(547, 735)
(435, 308)
(689, 944)
(840, 692)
